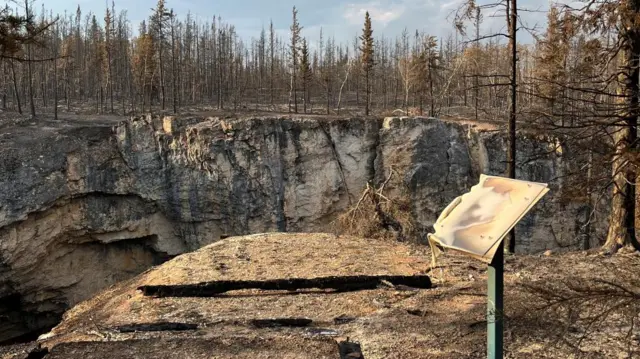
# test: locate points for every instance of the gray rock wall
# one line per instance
(85, 206)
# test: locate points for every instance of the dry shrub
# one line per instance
(377, 216)
(590, 311)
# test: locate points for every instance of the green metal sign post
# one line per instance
(495, 308)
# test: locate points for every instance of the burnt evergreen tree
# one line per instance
(161, 16)
(624, 211)
(294, 50)
(366, 51)
(305, 72)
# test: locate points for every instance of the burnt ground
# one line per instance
(11, 122)
(572, 305)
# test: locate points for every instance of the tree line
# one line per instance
(171, 62)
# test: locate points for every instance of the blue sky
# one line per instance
(342, 19)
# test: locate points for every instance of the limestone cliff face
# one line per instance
(440, 160)
(84, 206)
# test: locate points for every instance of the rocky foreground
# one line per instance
(87, 203)
(388, 321)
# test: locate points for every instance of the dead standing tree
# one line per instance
(17, 32)
(294, 49)
(159, 25)
(469, 12)
(28, 13)
(623, 18)
(512, 15)
(347, 71)
(108, 51)
(600, 99)
(305, 72)
(366, 51)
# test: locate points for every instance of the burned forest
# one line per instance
(326, 180)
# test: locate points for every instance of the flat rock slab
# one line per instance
(260, 257)
(281, 256)
(445, 322)
(196, 348)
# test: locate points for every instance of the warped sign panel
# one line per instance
(476, 222)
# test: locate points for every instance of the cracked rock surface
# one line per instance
(85, 204)
(445, 321)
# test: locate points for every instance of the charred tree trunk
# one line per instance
(161, 63)
(421, 102)
(110, 88)
(368, 93)
(396, 90)
(304, 94)
(294, 89)
(32, 105)
(67, 85)
(15, 87)
(328, 95)
(511, 135)
(431, 97)
(43, 84)
(220, 63)
(586, 243)
(625, 178)
(621, 223)
(55, 83)
(173, 65)
(476, 67)
(6, 83)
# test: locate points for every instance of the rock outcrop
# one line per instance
(84, 205)
(388, 320)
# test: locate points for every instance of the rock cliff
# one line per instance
(84, 205)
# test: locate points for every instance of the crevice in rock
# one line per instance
(66, 200)
(123, 158)
(339, 284)
(336, 157)
(156, 327)
(240, 183)
(293, 129)
(350, 350)
(38, 353)
(281, 220)
(22, 320)
(124, 145)
(20, 326)
(103, 194)
(477, 152)
(448, 154)
(343, 319)
(281, 322)
(375, 158)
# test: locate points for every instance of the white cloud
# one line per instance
(447, 5)
(380, 13)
